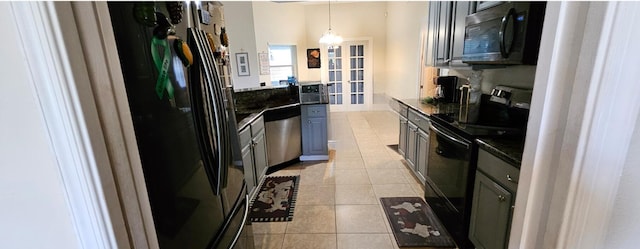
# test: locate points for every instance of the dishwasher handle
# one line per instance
(449, 137)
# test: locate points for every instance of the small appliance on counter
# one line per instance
(468, 111)
(313, 92)
(447, 89)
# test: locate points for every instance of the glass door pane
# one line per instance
(335, 75)
(356, 58)
(350, 76)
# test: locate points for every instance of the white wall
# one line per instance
(352, 21)
(406, 21)
(396, 64)
(238, 18)
(34, 211)
(282, 24)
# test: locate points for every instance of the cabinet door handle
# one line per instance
(501, 198)
(511, 179)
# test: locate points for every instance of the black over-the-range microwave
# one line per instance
(507, 33)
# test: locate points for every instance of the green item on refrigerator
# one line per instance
(162, 64)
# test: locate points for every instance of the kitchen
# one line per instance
(560, 108)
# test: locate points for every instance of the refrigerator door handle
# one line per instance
(244, 222)
(218, 99)
(210, 122)
(215, 99)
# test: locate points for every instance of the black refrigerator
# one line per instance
(184, 124)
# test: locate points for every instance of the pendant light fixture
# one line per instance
(330, 38)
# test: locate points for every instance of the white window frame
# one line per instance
(294, 61)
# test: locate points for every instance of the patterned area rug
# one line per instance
(414, 224)
(275, 200)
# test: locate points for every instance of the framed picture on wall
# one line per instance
(242, 60)
(313, 58)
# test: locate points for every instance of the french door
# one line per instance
(350, 77)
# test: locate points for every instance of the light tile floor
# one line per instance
(338, 200)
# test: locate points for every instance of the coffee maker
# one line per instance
(447, 89)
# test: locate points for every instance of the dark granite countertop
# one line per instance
(428, 109)
(509, 149)
(259, 88)
(251, 103)
(244, 119)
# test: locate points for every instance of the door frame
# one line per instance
(578, 135)
(368, 98)
(102, 213)
(71, 53)
(61, 77)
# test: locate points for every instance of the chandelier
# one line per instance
(330, 38)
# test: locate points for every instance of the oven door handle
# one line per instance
(459, 141)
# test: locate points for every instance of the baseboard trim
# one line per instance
(314, 158)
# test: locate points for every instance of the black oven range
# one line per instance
(452, 162)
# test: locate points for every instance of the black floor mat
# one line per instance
(414, 224)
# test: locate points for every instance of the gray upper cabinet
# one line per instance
(432, 31)
(445, 35)
(314, 131)
(460, 11)
(493, 201)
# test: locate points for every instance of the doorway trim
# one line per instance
(573, 155)
(59, 76)
(324, 77)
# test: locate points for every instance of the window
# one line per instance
(282, 62)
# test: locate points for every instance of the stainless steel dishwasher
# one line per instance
(282, 126)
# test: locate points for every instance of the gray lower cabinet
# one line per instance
(259, 152)
(402, 141)
(254, 153)
(422, 148)
(412, 138)
(414, 141)
(247, 158)
(493, 201)
(314, 132)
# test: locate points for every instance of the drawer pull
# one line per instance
(501, 198)
(511, 179)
